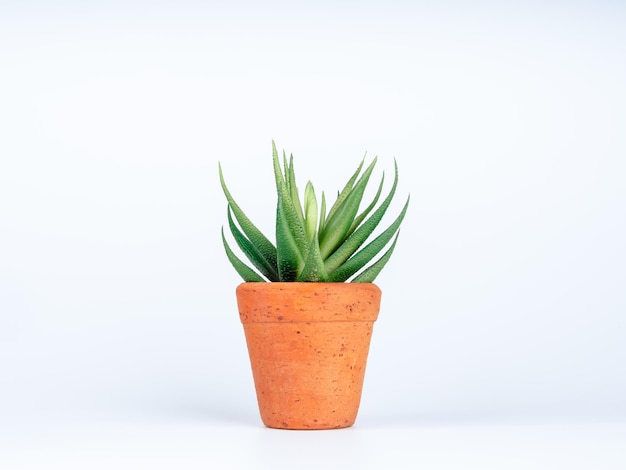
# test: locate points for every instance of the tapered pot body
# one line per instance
(308, 345)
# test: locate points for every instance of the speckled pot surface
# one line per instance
(308, 346)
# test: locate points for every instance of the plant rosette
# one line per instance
(308, 329)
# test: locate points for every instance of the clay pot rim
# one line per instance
(308, 302)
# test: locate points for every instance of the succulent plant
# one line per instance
(313, 245)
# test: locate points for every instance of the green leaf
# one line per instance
(372, 271)
(369, 208)
(293, 190)
(338, 225)
(294, 223)
(341, 196)
(345, 191)
(251, 252)
(278, 173)
(289, 244)
(310, 212)
(358, 237)
(322, 214)
(286, 171)
(314, 269)
(247, 273)
(260, 241)
(365, 255)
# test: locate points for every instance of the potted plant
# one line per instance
(308, 302)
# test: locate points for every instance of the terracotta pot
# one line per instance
(308, 346)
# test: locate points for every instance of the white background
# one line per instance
(501, 340)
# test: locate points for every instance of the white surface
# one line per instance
(503, 303)
(370, 445)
